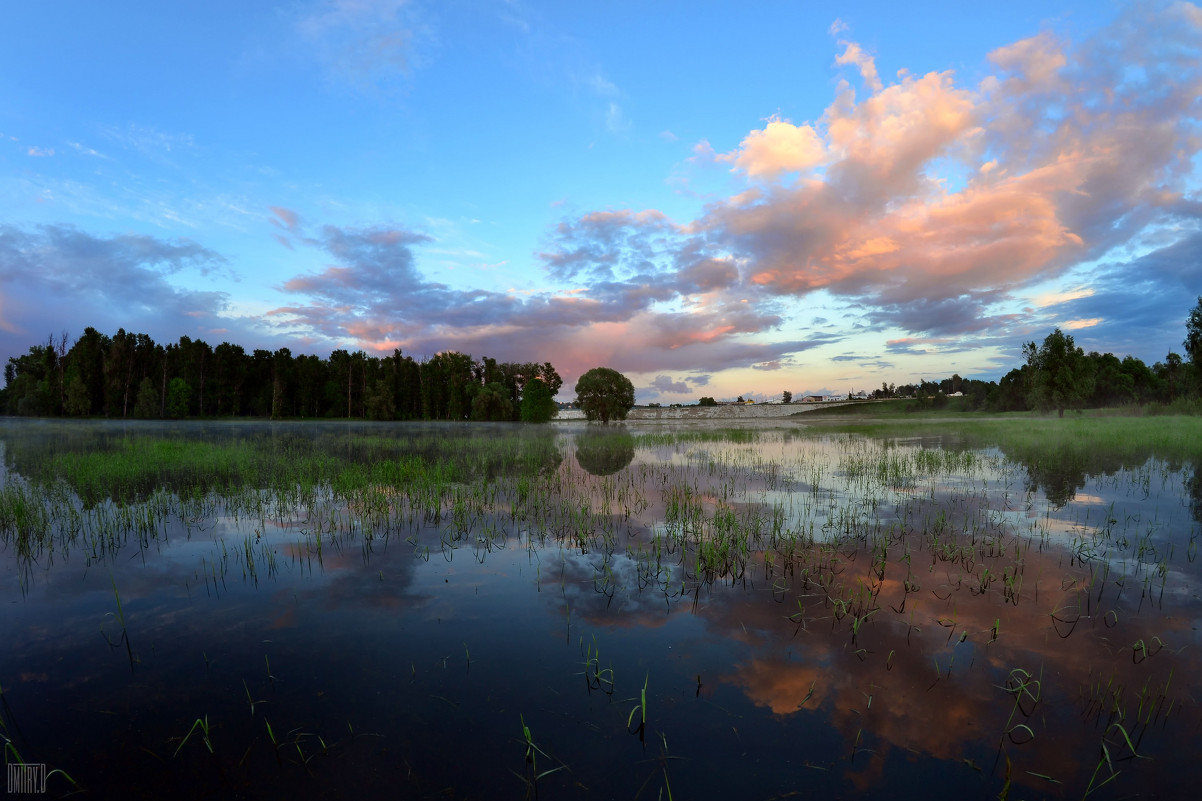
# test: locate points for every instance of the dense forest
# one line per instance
(130, 375)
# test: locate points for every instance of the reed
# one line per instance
(640, 708)
(532, 753)
(201, 725)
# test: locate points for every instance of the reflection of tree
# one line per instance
(1061, 461)
(540, 453)
(1059, 474)
(604, 452)
(1061, 471)
(1193, 486)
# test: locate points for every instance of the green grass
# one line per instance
(700, 435)
(196, 459)
(1090, 435)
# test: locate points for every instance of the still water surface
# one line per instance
(561, 613)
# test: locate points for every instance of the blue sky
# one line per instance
(715, 198)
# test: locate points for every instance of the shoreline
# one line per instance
(727, 413)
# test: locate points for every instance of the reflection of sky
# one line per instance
(753, 677)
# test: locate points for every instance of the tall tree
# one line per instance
(60, 359)
(179, 396)
(433, 389)
(1170, 373)
(548, 374)
(118, 372)
(281, 381)
(378, 401)
(195, 362)
(491, 403)
(1193, 338)
(30, 382)
(461, 384)
(358, 366)
(1062, 377)
(1144, 383)
(228, 373)
(405, 377)
(146, 404)
(87, 357)
(340, 381)
(538, 402)
(77, 403)
(1113, 386)
(259, 387)
(310, 373)
(449, 384)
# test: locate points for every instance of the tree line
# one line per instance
(1047, 382)
(131, 376)
(1058, 375)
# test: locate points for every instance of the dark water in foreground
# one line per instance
(806, 615)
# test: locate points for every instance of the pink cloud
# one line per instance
(779, 147)
(1055, 171)
(1033, 62)
(854, 54)
(881, 145)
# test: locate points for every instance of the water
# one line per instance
(810, 613)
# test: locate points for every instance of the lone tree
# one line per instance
(1061, 375)
(604, 394)
(786, 397)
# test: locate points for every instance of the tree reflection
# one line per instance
(1061, 469)
(604, 453)
(1193, 487)
(540, 454)
(1058, 475)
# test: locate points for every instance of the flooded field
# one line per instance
(656, 611)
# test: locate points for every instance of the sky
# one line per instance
(714, 198)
